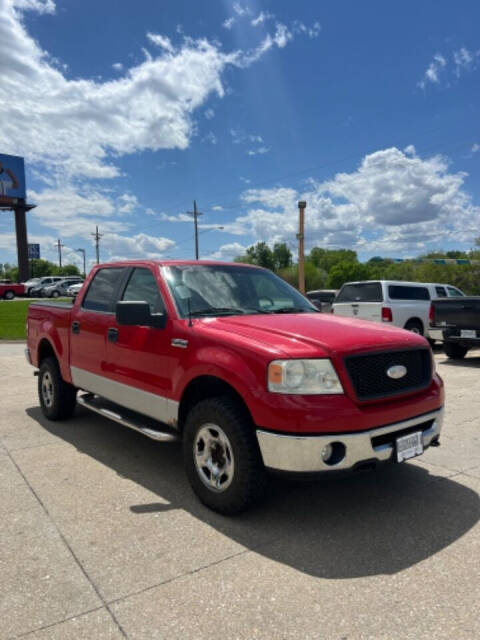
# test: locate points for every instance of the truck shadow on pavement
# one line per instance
(360, 525)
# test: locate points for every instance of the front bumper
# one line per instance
(303, 454)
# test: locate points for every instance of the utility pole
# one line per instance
(195, 215)
(82, 251)
(301, 249)
(59, 246)
(97, 237)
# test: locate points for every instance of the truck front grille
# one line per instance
(368, 373)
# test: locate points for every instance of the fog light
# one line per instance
(327, 452)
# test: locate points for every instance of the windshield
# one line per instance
(211, 290)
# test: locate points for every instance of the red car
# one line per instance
(8, 290)
(241, 368)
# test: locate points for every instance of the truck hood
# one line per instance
(311, 334)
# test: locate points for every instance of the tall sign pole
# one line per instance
(301, 248)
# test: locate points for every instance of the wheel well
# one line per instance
(45, 350)
(416, 321)
(202, 388)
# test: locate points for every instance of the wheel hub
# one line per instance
(47, 389)
(213, 457)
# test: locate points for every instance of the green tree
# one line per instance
(325, 259)
(282, 256)
(346, 271)
(259, 254)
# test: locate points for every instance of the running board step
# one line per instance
(143, 424)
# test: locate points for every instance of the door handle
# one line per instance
(112, 334)
(75, 326)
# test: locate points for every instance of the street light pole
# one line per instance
(301, 252)
(82, 251)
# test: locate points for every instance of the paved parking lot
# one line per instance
(101, 537)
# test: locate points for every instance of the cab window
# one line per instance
(406, 292)
(143, 287)
(455, 293)
(440, 292)
(100, 292)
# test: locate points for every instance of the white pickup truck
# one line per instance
(403, 304)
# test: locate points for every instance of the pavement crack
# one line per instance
(54, 624)
(67, 544)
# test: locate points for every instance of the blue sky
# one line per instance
(127, 112)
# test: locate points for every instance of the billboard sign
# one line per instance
(12, 179)
(33, 251)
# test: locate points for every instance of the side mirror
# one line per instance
(135, 313)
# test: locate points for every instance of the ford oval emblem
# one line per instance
(397, 371)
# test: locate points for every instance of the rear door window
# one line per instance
(440, 292)
(100, 292)
(407, 292)
(361, 292)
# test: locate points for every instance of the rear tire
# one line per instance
(57, 397)
(9, 295)
(415, 326)
(55, 294)
(221, 456)
(454, 351)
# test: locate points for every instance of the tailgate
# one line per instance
(462, 313)
(362, 310)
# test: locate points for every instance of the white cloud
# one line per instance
(79, 126)
(161, 41)
(393, 201)
(462, 60)
(228, 251)
(209, 113)
(262, 17)
(241, 11)
(217, 207)
(258, 151)
(475, 147)
(118, 66)
(210, 137)
(229, 22)
(139, 245)
(128, 202)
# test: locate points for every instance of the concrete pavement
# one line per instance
(101, 537)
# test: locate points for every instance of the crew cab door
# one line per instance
(88, 329)
(140, 359)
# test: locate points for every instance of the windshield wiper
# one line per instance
(294, 310)
(214, 310)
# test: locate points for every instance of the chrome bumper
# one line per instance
(304, 453)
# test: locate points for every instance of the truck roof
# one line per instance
(164, 263)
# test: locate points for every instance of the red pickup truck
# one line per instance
(8, 290)
(241, 368)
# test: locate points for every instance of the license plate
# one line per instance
(409, 446)
(468, 333)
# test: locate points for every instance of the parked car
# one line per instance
(36, 290)
(28, 284)
(60, 288)
(456, 322)
(188, 350)
(74, 289)
(322, 298)
(403, 304)
(10, 290)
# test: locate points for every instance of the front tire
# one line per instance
(57, 397)
(221, 456)
(9, 295)
(454, 351)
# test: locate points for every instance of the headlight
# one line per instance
(303, 377)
